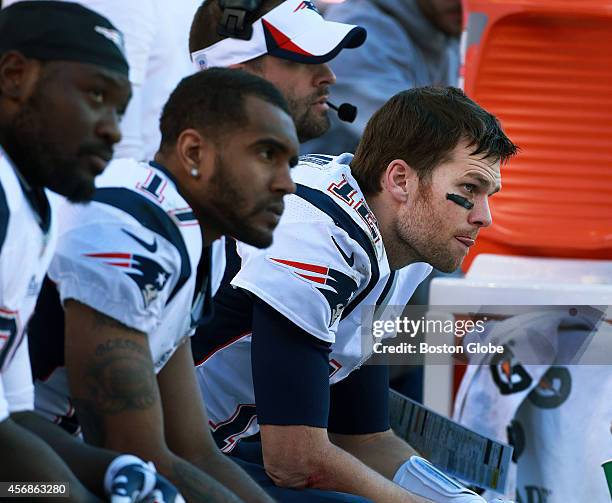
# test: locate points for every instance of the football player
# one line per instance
(284, 356)
(133, 281)
(63, 87)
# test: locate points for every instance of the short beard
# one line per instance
(416, 235)
(30, 143)
(226, 208)
(308, 125)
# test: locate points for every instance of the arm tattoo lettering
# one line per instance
(119, 377)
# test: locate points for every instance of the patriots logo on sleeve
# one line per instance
(150, 277)
(306, 5)
(336, 287)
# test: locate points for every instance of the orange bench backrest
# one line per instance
(544, 67)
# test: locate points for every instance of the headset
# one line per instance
(233, 25)
(233, 21)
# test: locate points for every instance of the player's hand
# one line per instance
(131, 480)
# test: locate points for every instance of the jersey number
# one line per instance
(153, 186)
(346, 193)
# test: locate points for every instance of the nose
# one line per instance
(323, 75)
(282, 182)
(108, 127)
(480, 215)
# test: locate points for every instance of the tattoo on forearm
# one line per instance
(112, 344)
(119, 377)
(195, 485)
(120, 383)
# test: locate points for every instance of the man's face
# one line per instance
(439, 231)
(306, 89)
(244, 196)
(62, 137)
(446, 15)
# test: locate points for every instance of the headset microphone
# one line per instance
(346, 111)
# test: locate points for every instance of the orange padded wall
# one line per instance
(545, 69)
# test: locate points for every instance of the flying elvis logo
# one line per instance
(306, 5)
(113, 35)
(148, 275)
(337, 287)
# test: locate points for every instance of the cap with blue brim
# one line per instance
(293, 30)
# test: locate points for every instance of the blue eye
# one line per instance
(469, 187)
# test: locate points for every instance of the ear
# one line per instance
(18, 76)
(399, 180)
(195, 152)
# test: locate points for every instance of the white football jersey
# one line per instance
(326, 263)
(131, 254)
(27, 239)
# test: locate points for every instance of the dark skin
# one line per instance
(33, 459)
(242, 175)
(72, 117)
(60, 120)
(120, 402)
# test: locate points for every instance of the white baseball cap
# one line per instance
(293, 30)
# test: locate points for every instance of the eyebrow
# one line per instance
(483, 181)
(111, 80)
(107, 77)
(279, 145)
(273, 142)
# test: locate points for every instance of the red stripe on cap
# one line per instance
(301, 265)
(282, 40)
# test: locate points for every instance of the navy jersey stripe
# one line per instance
(4, 216)
(385, 291)
(153, 218)
(46, 332)
(186, 216)
(342, 219)
(233, 313)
